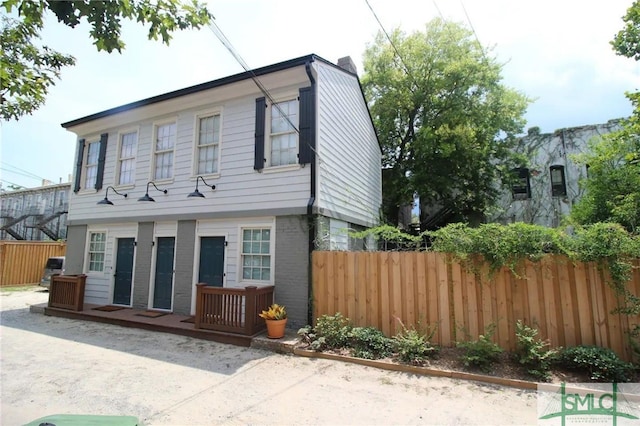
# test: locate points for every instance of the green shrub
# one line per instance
(413, 346)
(533, 353)
(333, 331)
(369, 343)
(602, 364)
(483, 352)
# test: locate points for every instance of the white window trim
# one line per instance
(196, 139)
(85, 156)
(283, 97)
(121, 133)
(87, 257)
(272, 252)
(154, 136)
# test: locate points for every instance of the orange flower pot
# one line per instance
(275, 328)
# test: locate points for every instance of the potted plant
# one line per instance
(276, 319)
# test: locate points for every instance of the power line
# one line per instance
(227, 44)
(395, 49)
(11, 183)
(472, 29)
(23, 172)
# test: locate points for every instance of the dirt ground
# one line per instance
(55, 365)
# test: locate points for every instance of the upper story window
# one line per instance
(283, 133)
(208, 144)
(91, 165)
(97, 247)
(256, 254)
(61, 197)
(558, 183)
(521, 187)
(165, 143)
(127, 160)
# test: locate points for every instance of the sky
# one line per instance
(555, 52)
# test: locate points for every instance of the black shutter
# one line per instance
(307, 125)
(261, 105)
(101, 159)
(76, 185)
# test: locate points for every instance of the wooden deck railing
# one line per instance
(67, 292)
(234, 310)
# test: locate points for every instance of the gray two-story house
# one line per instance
(232, 182)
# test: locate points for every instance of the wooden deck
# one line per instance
(168, 323)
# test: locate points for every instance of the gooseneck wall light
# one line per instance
(106, 200)
(146, 195)
(197, 193)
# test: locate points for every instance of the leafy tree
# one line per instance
(446, 122)
(28, 71)
(612, 189)
(613, 184)
(627, 41)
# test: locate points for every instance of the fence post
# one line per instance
(199, 302)
(250, 313)
(79, 292)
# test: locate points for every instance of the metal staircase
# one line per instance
(42, 225)
(10, 223)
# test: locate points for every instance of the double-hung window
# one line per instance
(97, 246)
(256, 254)
(208, 144)
(283, 133)
(91, 165)
(163, 151)
(127, 160)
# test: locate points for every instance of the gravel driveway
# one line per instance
(55, 365)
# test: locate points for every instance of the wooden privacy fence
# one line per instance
(22, 262)
(570, 303)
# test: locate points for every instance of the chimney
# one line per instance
(347, 64)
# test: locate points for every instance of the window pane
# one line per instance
(255, 274)
(90, 176)
(126, 171)
(256, 261)
(164, 165)
(93, 152)
(166, 135)
(96, 251)
(128, 145)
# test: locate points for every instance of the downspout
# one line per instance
(312, 198)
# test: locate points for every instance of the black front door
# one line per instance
(211, 261)
(124, 272)
(164, 273)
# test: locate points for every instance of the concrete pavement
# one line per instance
(55, 365)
